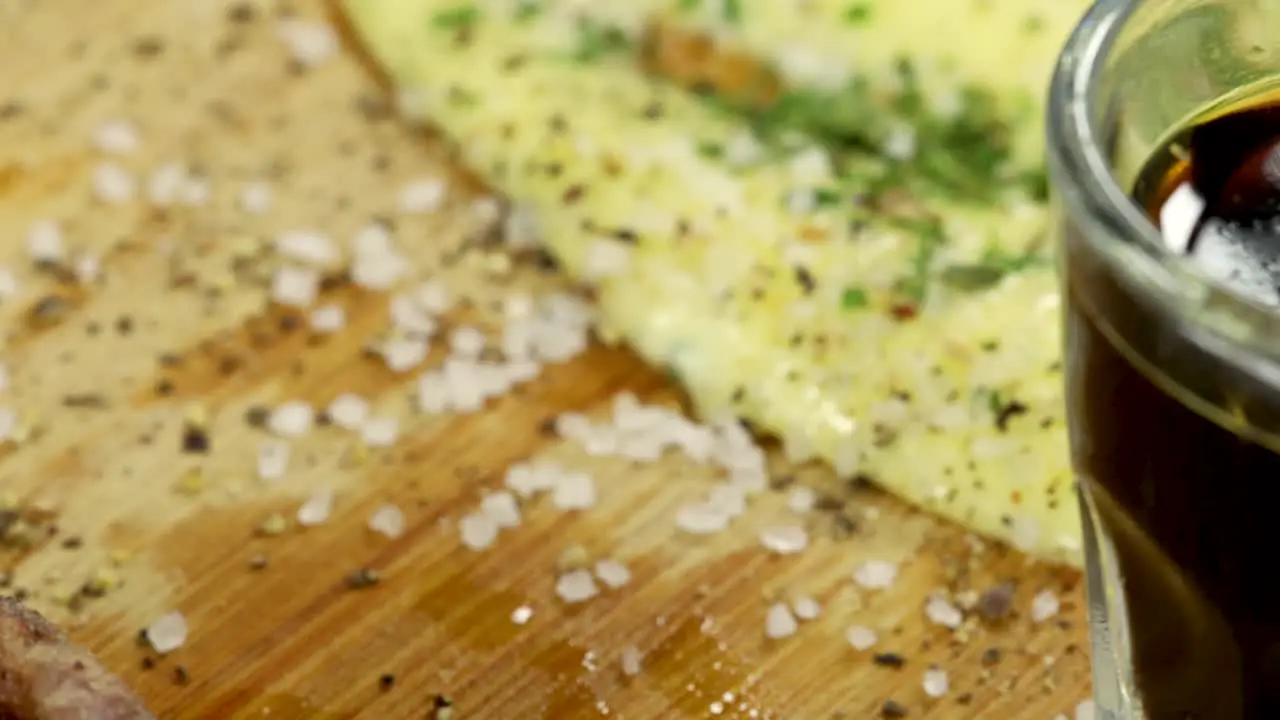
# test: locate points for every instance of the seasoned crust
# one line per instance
(45, 677)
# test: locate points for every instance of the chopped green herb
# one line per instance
(596, 41)
(527, 10)
(711, 150)
(995, 401)
(930, 239)
(995, 265)
(733, 11)
(853, 298)
(827, 197)
(857, 13)
(689, 5)
(458, 18)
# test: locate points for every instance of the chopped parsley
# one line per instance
(527, 10)
(995, 265)
(733, 11)
(596, 41)
(857, 13)
(458, 18)
(930, 238)
(854, 298)
(689, 5)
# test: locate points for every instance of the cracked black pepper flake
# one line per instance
(805, 279)
(180, 675)
(1009, 411)
(363, 578)
(195, 440)
(148, 663)
(889, 660)
(387, 681)
(992, 656)
(441, 708)
(256, 416)
(94, 401)
(893, 709)
(996, 602)
(147, 47)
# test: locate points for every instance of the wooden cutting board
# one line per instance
(102, 376)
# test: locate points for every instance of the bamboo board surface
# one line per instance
(102, 376)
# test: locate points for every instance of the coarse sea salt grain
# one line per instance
(876, 574)
(424, 195)
(574, 491)
(291, 419)
(8, 423)
(502, 508)
(576, 586)
(44, 242)
(328, 319)
(256, 198)
(402, 354)
(87, 269)
(295, 286)
(521, 615)
(613, 573)
(116, 137)
(168, 632)
(165, 183)
(1044, 605)
(273, 459)
(317, 508)
(467, 342)
(940, 611)
(309, 42)
(8, 284)
(308, 247)
(935, 682)
(785, 539)
(806, 608)
(529, 479)
(433, 297)
(388, 521)
(801, 499)
(380, 432)
(861, 637)
(195, 190)
(779, 622)
(478, 531)
(111, 183)
(348, 411)
(701, 519)
(630, 660)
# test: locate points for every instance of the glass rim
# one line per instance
(1083, 180)
(1075, 145)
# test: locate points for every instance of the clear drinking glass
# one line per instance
(1172, 371)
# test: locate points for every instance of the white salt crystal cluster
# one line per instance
(168, 632)
(1044, 606)
(861, 637)
(317, 508)
(876, 574)
(940, 611)
(780, 622)
(309, 43)
(388, 521)
(576, 586)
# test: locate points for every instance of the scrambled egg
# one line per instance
(859, 266)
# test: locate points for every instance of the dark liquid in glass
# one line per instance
(1188, 490)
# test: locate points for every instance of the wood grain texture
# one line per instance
(160, 332)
